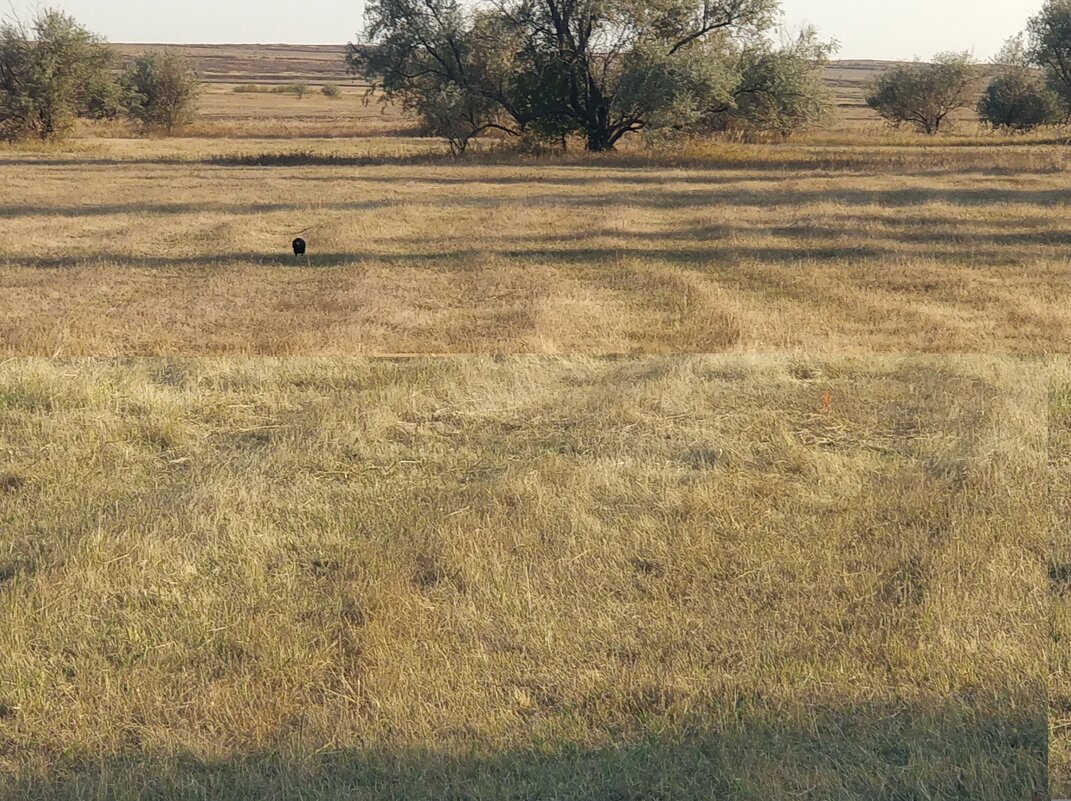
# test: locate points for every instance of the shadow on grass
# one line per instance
(167, 209)
(716, 255)
(850, 159)
(893, 752)
(624, 192)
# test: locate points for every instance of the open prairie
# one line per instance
(528, 577)
(236, 563)
(224, 66)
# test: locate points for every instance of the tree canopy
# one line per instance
(1050, 47)
(1017, 97)
(598, 69)
(160, 89)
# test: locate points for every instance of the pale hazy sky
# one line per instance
(882, 29)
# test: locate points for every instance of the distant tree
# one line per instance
(51, 71)
(161, 89)
(331, 90)
(1050, 47)
(300, 89)
(924, 95)
(598, 69)
(1017, 97)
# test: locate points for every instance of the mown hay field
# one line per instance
(663, 578)
(128, 247)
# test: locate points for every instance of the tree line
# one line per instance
(541, 71)
(544, 72)
(1030, 88)
(54, 71)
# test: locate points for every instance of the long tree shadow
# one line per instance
(779, 198)
(754, 197)
(821, 159)
(166, 209)
(950, 750)
(696, 257)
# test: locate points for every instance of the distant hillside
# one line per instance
(849, 80)
(280, 62)
(268, 63)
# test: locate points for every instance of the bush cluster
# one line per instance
(54, 71)
(1030, 87)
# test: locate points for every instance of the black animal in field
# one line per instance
(299, 247)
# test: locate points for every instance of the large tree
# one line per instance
(51, 70)
(436, 61)
(925, 95)
(1050, 47)
(610, 53)
(600, 69)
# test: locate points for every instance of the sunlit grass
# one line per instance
(523, 578)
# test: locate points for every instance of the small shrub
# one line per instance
(297, 89)
(331, 90)
(1018, 100)
(102, 96)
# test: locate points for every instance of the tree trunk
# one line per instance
(600, 132)
(599, 140)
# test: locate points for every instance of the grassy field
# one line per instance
(855, 239)
(262, 63)
(127, 247)
(738, 577)
(240, 559)
(225, 114)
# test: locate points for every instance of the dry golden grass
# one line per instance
(665, 578)
(119, 247)
(226, 114)
(1060, 583)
